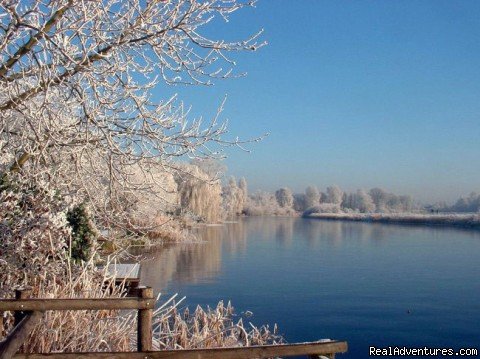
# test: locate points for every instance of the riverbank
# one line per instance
(453, 219)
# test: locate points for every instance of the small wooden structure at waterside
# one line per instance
(127, 275)
(28, 312)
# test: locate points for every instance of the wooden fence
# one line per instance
(28, 312)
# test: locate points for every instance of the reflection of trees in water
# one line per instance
(284, 231)
(267, 228)
(187, 263)
(234, 237)
(192, 262)
(334, 232)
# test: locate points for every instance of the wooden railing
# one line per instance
(28, 312)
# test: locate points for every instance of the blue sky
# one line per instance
(356, 93)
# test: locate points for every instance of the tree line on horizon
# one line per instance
(334, 200)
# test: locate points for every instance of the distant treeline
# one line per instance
(463, 204)
(335, 200)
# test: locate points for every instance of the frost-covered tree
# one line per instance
(380, 198)
(232, 198)
(407, 203)
(312, 196)
(34, 234)
(389, 202)
(284, 197)
(299, 202)
(334, 195)
(242, 195)
(263, 203)
(466, 204)
(242, 184)
(363, 202)
(323, 197)
(211, 166)
(76, 100)
(199, 194)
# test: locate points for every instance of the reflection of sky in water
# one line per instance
(372, 284)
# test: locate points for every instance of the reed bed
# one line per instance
(207, 328)
(114, 330)
(79, 331)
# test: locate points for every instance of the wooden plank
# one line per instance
(19, 334)
(124, 271)
(75, 304)
(144, 322)
(264, 351)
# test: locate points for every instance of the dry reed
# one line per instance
(114, 330)
(207, 328)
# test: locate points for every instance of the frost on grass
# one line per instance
(207, 328)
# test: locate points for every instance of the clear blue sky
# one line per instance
(356, 93)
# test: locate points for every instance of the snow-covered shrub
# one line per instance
(323, 208)
(34, 235)
(36, 240)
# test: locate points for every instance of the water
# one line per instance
(369, 284)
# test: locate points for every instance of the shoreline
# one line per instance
(449, 220)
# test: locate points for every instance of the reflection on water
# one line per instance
(371, 284)
(192, 262)
(202, 261)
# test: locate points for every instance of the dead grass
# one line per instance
(207, 328)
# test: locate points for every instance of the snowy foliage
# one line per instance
(334, 194)
(312, 196)
(242, 185)
(333, 201)
(389, 202)
(466, 204)
(199, 195)
(265, 204)
(34, 234)
(233, 198)
(299, 202)
(323, 208)
(359, 201)
(210, 166)
(284, 197)
(76, 101)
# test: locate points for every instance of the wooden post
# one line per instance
(21, 294)
(2, 325)
(144, 322)
(19, 334)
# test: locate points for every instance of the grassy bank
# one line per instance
(454, 219)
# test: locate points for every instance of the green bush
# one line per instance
(83, 233)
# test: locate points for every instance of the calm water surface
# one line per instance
(369, 284)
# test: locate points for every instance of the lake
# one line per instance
(369, 284)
